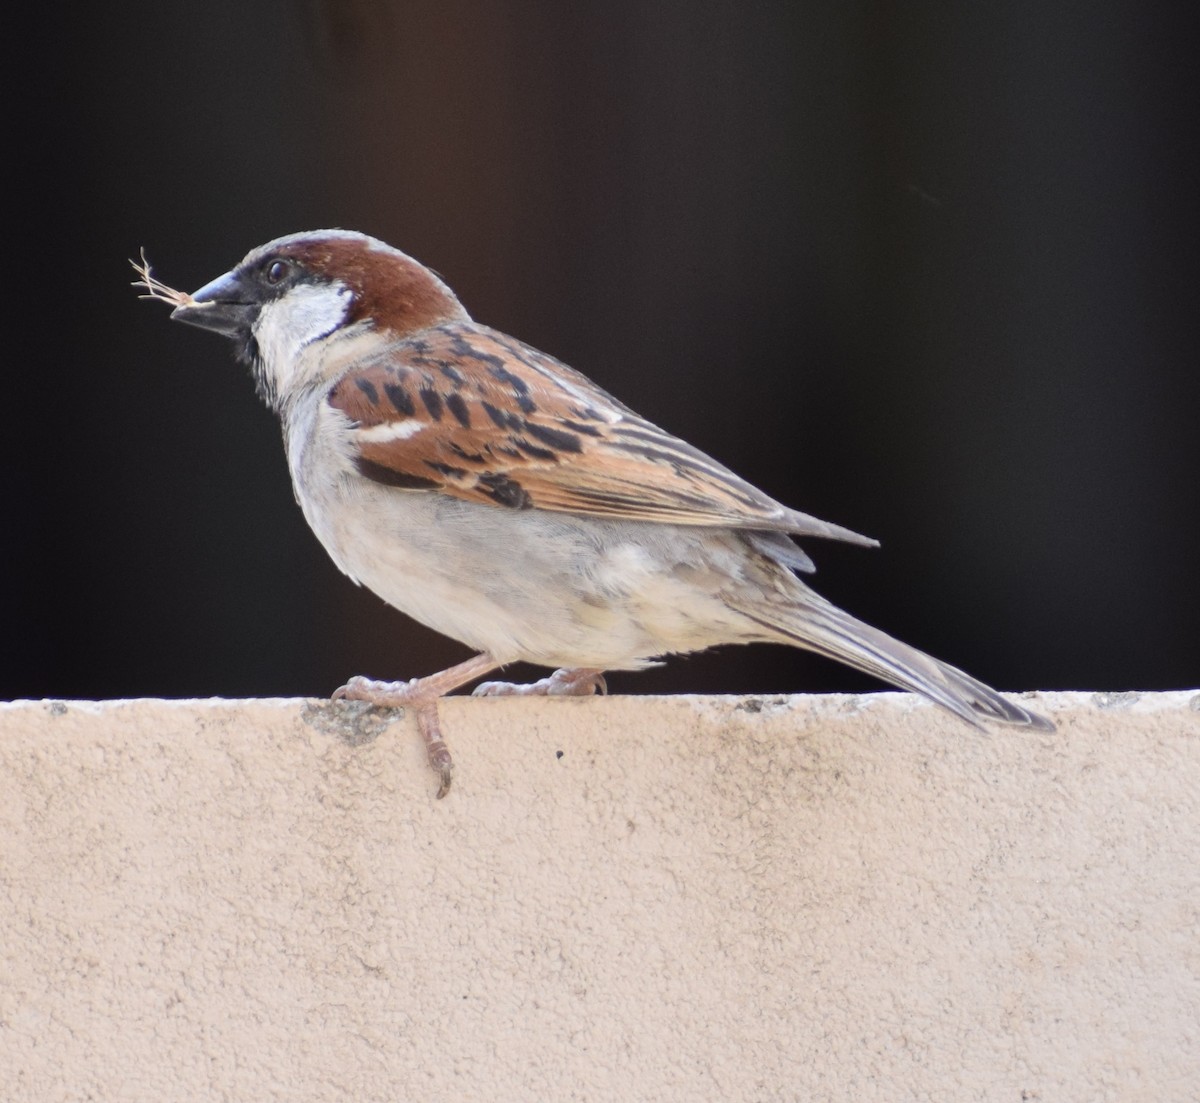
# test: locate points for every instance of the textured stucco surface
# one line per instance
(800, 898)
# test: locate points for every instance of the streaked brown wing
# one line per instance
(469, 412)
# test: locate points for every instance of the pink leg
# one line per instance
(573, 682)
(421, 696)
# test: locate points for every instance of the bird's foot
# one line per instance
(581, 682)
(421, 695)
(410, 696)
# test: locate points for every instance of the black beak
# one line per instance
(225, 306)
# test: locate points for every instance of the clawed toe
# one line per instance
(562, 683)
(384, 694)
(499, 689)
(600, 684)
(435, 747)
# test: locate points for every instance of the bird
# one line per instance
(498, 496)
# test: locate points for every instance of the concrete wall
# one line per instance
(799, 898)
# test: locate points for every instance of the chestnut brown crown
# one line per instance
(388, 288)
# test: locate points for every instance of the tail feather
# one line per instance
(819, 626)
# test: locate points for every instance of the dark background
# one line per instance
(927, 270)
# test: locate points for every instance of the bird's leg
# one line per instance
(573, 682)
(421, 695)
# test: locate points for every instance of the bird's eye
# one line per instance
(276, 271)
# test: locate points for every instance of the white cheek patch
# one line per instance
(284, 327)
(392, 430)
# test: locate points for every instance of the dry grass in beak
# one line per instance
(156, 288)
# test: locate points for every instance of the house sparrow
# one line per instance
(502, 498)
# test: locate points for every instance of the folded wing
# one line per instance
(466, 411)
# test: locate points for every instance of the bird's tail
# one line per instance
(817, 625)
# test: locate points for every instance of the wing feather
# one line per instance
(463, 410)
